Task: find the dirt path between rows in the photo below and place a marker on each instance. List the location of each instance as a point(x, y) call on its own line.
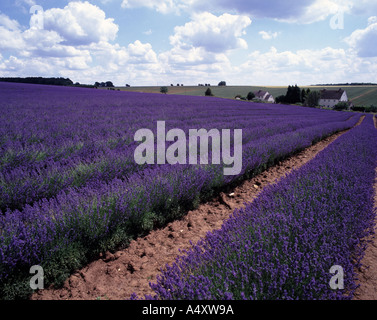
point(117, 275)
point(368, 273)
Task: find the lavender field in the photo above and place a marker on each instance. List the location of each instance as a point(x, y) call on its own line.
point(283, 245)
point(70, 187)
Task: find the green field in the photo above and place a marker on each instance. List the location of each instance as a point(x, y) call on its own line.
point(359, 95)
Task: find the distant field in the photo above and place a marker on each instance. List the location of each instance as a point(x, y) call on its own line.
point(359, 95)
point(228, 92)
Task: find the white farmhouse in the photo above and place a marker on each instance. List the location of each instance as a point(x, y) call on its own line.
point(330, 98)
point(264, 96)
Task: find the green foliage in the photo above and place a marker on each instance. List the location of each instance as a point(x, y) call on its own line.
point(59, 267)
point(371, 109)
point(16, 287)
point(304, 94)
point(293, 96)
point(280, 99)
point(148, 221)
point(312, 99)
point(358, 108)
point(164, 90)
point(341, 106)
point(250, 96)
point(40, 80)
point(208, 93)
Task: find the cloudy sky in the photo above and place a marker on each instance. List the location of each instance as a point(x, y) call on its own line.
point(158, 42)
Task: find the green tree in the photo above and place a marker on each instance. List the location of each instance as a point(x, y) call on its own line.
point(164, 90)
point(293, 95)
point(250, 96)
point(312, 99)
point(341, 106)
point(280, 99)
point(209, 93)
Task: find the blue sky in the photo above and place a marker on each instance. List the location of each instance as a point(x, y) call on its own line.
point(140, 42)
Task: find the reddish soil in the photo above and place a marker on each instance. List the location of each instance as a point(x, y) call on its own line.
point(117, 275)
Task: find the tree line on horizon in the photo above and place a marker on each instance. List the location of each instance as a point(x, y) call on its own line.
point(39, 80)
point(346, 84)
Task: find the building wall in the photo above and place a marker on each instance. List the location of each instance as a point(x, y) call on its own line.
point(329, 103)
point(344, 97)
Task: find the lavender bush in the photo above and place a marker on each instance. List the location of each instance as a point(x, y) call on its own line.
point(282, 245)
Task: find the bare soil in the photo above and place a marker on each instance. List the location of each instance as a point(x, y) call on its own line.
point(115, 276)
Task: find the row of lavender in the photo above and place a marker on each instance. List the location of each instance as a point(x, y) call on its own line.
point(61, 230)
point(52, 139)
point(284, 244)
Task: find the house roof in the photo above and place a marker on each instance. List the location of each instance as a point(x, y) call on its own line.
point(332, 94)
point(260, 94)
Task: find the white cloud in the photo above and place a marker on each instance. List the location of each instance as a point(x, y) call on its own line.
point(10, 39)
point(364, 41)
point(307, 67)
point(65, 30)
point(84, 52)
point(76, 42)
point(194, 66)
point(268, 35)
point(79, 41)
point(41, 39)
point(141, 53)
point(214, 34)
point(192, 57)
point(319, 10)
point(372, 20)
point(80, 23)
point(8, 23)
point(11, 36)
point(200, 48)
